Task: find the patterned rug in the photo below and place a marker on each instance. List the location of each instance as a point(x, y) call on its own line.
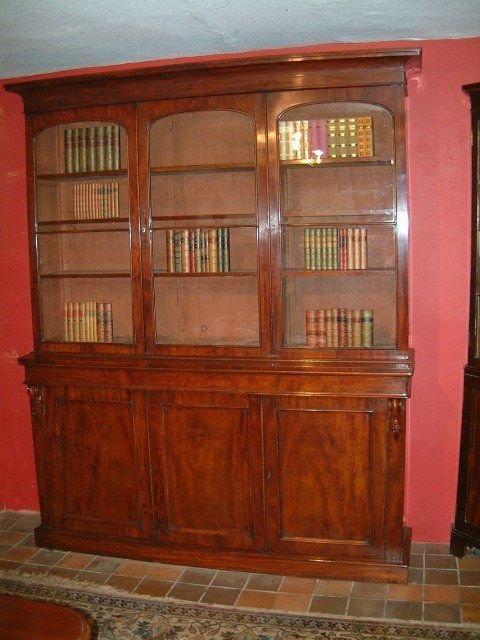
point(119, 616)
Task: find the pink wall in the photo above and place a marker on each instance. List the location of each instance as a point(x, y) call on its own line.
point(439, 144)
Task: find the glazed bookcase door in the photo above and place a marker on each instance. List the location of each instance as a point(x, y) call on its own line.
point(206, 266)
point(85, 240)
point(475, 310)
point(337, 205)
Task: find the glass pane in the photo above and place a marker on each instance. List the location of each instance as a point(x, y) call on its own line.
point(204, 228)
point(83, 233)
point(337, 214)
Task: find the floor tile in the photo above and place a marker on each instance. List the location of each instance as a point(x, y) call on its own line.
point(47, 556)
point(470, 578)
point(124, 583)
point(441, 593)
point(220, 595)
point(371, 590)
point(256, 599)
point(435, 612)
point(132, 568)
point(19, 554)
point(440, 562)
point(75, 560)
point(63, 572)
point(292, 601)
point(232, 579)
point(471, 613)
point(405, 592)
point(333, 587)
point(329, 604)
point(168, 572)
point(264, 582)
point(441, 576)
point(292, 584)
point(437, 548)
point(186, 591)
point(404, 610)
point(197, 576)
point(155, 588)
point(470, 595)
point(366, 607)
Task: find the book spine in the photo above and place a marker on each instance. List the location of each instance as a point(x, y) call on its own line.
point(306, 248)
point(363, 249)
point(100, 318)
point(342, 328)
point(107, 308)
point(100, 148)
point(108, 148)
point(318, 247)
point(177, 251)
point(357, 327)
point(282, 140)
point(322, 136)
point(75, 154)
point(226, 249)
point(356, 249)
point(184, 251)
point(220, 251)
point(68, 135)
point(197, 244)
point(305, 145)
point(191, 245)
point(91, 164)
point(349, 327)
point(82, 149)
point(321, 330)
point(350, 249)
point(297, 140)
point(367, 327)
point(65, 322)
point(212, 251)
point(170, 250)
point(115, 146)
point(310, 328)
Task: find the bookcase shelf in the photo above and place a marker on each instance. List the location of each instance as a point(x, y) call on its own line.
point(181, 333)
point(203, 168)
point(82, 175)
point(88, 274)
point(332, 162)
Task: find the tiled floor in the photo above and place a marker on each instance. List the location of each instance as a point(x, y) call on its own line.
point(441, 588)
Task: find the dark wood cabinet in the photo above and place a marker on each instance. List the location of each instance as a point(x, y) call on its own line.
point(219, 289)
point(466, 529)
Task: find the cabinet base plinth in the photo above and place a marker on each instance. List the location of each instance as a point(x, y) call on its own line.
point(367, 569)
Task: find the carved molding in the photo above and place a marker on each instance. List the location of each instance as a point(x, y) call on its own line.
point(37, 404)
point(396, 417)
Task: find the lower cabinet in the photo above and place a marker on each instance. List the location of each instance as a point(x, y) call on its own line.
point(207, 472)
point(466, 529)
point(94, 469)
point(306, 485)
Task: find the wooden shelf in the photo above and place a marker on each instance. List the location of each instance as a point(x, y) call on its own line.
point(335, 273)
point(203, 168)
point(51, 223)
point(110, 173)
point(87, 274)
point(205, 274)
point(328, 162)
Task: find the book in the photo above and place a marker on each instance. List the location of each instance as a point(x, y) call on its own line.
point(339, 327)
point(197, 250)
point(87, 321)
point(95, 148)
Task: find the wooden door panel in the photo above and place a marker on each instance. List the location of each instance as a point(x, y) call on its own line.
point(207, 470)
point(326, 463)
point(324, 455)
point(472, 493)
point(99, 456)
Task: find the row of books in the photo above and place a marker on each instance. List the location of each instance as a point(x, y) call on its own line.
point(326, 138)
point(87, 322)
point(94, 200)
point(92, 148)
point(335, 248)
point(198, 250)
point(339, 327)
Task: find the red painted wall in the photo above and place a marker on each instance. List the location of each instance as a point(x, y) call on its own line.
point(439, 184)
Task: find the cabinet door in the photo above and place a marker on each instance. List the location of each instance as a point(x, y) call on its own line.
point(207, 267)
point(97, 462)
point(207, 469)
point(327, 464)
point(467, 520)
point(338, 200)
point(87, 293)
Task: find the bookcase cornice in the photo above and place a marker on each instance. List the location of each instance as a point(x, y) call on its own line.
point(231, 76)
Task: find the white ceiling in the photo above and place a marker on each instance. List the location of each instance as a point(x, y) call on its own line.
point(39, 36)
